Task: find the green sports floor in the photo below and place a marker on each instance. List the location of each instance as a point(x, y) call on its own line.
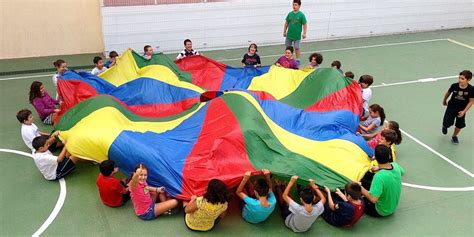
point(412, 72)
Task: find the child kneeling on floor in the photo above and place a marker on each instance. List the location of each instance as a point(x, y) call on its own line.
point(144, 197)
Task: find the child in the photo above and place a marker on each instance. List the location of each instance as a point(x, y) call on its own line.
point(391, 134)
point(188, 50)
point(385, 189)
point(315, 60)
point(111, 62)
point(251, 58)
point(61, 67)
point(52, 167)
point(99, 66)
point(373, 122)
point(347, 212)
point(350, 75)
point(45, 105)
point(295, 20)
point(113, 192)
point(461, 101)
point(258, 209)
point(365, 81)
point(147, 52)
point(300, 218)
point(30, 131)
point(287, 60)
point(202, 213)
point(144, 196)
point(337, 65)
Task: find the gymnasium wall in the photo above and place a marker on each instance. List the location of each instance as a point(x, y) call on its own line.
point(235, 23)
point(32, 28)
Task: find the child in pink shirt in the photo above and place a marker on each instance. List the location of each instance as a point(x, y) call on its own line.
point(43, 103)
point(144, 196)
point(287, 60)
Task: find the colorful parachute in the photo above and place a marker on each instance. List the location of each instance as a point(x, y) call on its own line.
point(199, 119)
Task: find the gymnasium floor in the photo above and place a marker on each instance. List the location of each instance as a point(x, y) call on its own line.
point(412, 72)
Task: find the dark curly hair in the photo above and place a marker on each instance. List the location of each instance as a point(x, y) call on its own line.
point(35, 90)
point(217, 192)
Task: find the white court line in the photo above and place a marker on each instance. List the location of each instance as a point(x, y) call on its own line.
point(59, 203)
point(348, 48)
point(23, 77)
point(459, 43)
point(439, 154)
point(443, 189)
point(430, 79)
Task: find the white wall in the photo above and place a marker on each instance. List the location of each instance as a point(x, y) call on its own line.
point(234, 24)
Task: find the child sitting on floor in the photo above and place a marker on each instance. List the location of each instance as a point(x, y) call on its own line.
point(30, 131)
point(257, 209)
point(43, 103)
point(347, 211)
point(287, 60)
point(113, 192)
point(300, 218)
point(144, 197)
point(374, 121)
point(52, 167)
point(202, 213)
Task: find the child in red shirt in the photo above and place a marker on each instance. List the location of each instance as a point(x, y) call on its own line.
point(113, 192)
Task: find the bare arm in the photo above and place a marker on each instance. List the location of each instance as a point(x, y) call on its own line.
point(468, 106)
point(341, 195)
point(62, 154)
point(245, 179)
point(305, 28)
point(134, 181)
point(285, 195)
point(446, 98)
point(191, 206)
point(330, 201)
point(369, 196)
point(318, 192)
point(368, 128)
point(266, 173)
point(285, 28)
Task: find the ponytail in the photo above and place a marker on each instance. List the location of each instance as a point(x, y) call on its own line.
point(378, 108)
point(395, 127)
point(58, 63)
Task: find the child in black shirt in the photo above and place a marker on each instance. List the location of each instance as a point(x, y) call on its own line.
point(462, 97)
point(251, 58)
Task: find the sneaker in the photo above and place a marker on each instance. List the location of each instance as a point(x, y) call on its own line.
point(455, 140)
point(444, 130)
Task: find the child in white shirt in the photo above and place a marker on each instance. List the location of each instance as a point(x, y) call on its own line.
point(29, 130)
point(99, 66)
point(365, 81)
point(52, 167)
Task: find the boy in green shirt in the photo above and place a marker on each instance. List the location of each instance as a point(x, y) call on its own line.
point(294, 21)
point(386, 187)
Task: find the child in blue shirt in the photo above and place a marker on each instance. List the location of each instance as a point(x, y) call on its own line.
point(258, 209)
